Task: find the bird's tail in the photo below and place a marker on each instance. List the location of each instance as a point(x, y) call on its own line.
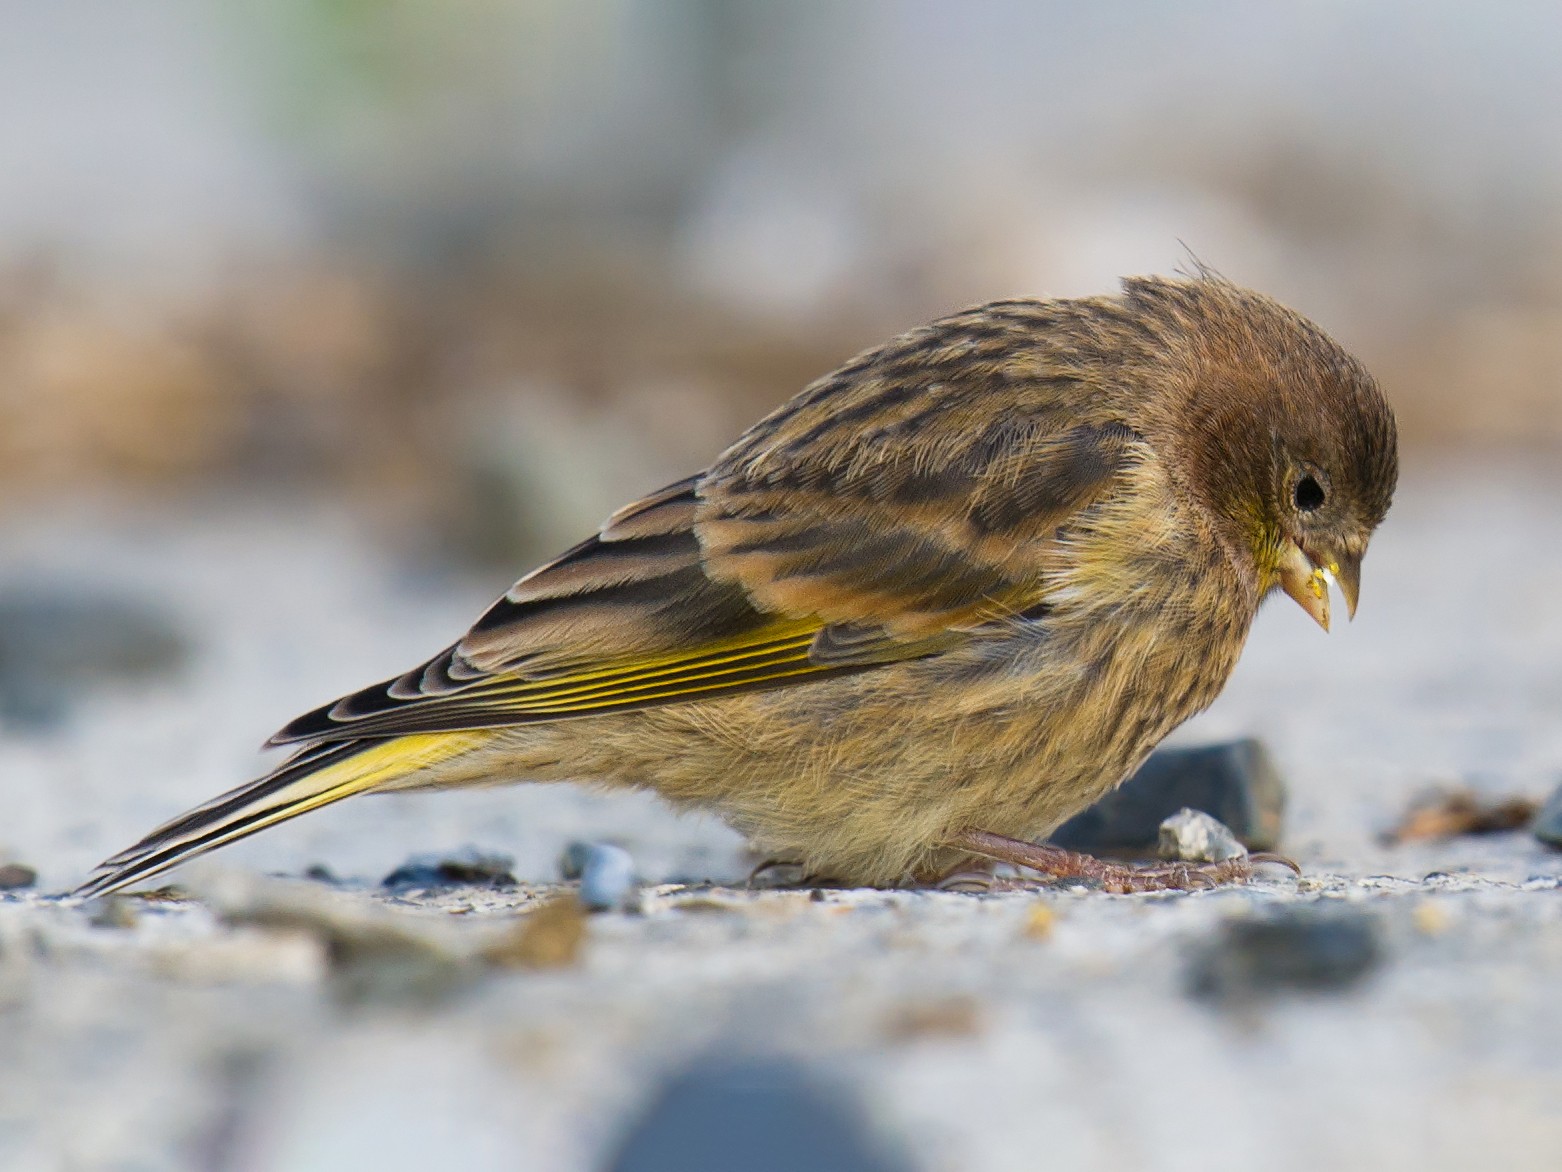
point(315, 777)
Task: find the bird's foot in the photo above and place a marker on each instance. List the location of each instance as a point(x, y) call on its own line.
point(782, 875)
point(976, 876)
point(1059, 865)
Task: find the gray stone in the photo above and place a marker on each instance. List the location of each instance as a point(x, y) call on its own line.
point(572, 862)
point(1296, 949)
point(1192, 836)
point(758, 1115)
point(16, 876)
point(1235, 782)
point(466, 867)
point(112, 911)
point(1548, 823)
point(606, 872)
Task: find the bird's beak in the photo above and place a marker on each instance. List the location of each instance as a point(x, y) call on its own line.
point(1306, 579)
point(1346, 571)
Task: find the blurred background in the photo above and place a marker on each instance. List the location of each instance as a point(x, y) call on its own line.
point(486, 268)
point(322, 320)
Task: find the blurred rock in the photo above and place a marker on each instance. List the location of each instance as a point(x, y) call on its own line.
point(1449, 813)
point(15, 876)
point(1548, 823)
point(549, 936)
point(373, 953)
point(759, 1116)
point(1192, 836)
point(467, 867)
point(56, 639)
point(1235, 783)
point(112, 911)
point(572, 860)
point(607, 876)
point(1297, 949)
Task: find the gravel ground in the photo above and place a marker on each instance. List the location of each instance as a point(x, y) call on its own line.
point(1394, 1008)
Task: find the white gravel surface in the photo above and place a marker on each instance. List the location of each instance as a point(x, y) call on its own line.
point(996, 1032)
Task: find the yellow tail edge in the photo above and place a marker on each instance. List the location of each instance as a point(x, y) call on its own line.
point(314, 779)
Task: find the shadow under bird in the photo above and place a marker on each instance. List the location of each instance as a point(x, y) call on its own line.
point(936, 604)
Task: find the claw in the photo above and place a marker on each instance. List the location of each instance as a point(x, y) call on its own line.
point(1266, 858)
point(773, 865)
point(1196, 878)
point(967, 881)
point(1067, 866)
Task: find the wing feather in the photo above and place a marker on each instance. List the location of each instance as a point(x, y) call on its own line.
point(885, 513)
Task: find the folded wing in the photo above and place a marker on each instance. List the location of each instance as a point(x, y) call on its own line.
point(884, 514)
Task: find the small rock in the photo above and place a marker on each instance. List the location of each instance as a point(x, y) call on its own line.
point(757, 1115)
point(1192, 836)
point(112, 911)
point(15, 877)
point(1297, 949)
point(1548, 823)
point(1236, 783)
point(467, 867)
point(167, 893)
point(572, 863)
point(607, 876)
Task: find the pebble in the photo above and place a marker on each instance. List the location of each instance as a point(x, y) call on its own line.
point(606, 873)
point(1235, 782)
point(113, 911)
point(467, 867)
point(16, 876)
point(1192, 836)
point(760, 1115)
point(1548, 823)
point(1298, 949)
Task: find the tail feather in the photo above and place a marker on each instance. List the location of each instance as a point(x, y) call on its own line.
point(315, 777)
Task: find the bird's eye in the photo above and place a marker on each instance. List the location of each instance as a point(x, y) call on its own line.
point(1308, 494)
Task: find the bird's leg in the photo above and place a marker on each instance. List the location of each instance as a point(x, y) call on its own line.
point(1057, 863)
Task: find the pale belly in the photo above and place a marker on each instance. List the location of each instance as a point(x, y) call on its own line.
point(864, 777)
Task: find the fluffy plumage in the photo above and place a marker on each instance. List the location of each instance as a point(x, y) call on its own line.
point(965, 582)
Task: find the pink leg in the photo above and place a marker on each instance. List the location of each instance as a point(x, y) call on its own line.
point(1120, 878)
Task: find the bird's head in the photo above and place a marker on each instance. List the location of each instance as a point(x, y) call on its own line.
point(1281, 434)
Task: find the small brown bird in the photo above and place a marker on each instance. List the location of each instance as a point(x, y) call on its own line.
point(944, 599)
